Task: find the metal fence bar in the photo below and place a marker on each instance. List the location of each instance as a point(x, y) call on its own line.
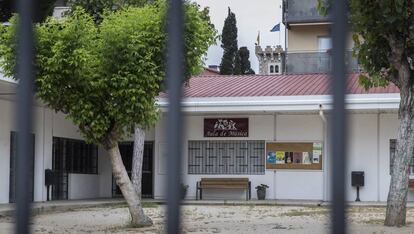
point(338, 123)
point(25, 73)
point(175, 75)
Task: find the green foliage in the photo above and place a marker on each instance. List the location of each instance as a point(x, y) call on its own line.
point(324, 6)
point(381, 30)
point(242, 63)
point(106, 77)
point(96, 8)
point(378, 29)
point(199, 35)
point(229, 44)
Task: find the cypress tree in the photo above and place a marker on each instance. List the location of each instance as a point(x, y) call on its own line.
point(242, 64)
point(229, 44)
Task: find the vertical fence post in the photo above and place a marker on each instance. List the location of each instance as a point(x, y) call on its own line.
point(25, 55)
point(338, 123)
point(175, 75)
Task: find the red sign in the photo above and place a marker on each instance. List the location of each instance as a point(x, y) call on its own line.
point(226, 127)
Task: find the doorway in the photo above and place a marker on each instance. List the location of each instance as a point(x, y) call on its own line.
point(30, 161)
point(127, 149)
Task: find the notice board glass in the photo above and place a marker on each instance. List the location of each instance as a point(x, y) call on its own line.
point(294, 155)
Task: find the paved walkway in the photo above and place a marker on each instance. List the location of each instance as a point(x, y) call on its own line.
point(40, 207)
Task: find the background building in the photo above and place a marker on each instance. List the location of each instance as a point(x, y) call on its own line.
point(284, 115)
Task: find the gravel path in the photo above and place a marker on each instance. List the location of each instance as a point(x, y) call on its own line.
point(213, 219)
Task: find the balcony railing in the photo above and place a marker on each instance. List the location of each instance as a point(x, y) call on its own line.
point(315, 62)
point(302, 11)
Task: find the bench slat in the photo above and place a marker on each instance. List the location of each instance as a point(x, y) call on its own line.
point(218, 186)
point(225, 183)
point(224, 179)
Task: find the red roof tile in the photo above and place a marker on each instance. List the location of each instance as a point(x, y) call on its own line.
point(271, 85)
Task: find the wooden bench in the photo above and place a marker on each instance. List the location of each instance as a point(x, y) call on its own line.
point(223, 183)
point(411, 184)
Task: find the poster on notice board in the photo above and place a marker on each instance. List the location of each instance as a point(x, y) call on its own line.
point(317, 152)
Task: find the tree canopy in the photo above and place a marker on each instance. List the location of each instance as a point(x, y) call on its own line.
point(229, 44)
point(96, 8)
point(242, 64)
point(106, 77)
point(383, 34)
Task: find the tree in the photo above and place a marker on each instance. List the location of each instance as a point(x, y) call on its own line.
point(106, 77)
point(242, 64)
point(44, 9)
point(383, 34)
point(96, 8)
point(229, 44)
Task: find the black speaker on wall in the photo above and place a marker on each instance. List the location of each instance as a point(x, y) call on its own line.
point(357, 178)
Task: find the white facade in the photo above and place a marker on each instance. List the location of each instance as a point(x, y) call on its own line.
point(372, 123)
point(368, 150)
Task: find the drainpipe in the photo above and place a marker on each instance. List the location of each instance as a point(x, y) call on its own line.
point(323, 118)
point(321, 114)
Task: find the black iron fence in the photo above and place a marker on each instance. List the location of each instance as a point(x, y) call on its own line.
point(175, 72)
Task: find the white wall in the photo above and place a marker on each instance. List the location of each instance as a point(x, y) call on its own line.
point(46, 125)
point(299, 184)
point(368, 151)
point(83, 186)
point(259, 130)
point(388, 130)
point(5, 128)
point(284, 184)
point(7, 124)
point(362, 155)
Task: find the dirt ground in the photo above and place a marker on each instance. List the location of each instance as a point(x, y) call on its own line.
point(212, 219)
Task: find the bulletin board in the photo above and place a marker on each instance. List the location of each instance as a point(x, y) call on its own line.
point(294, 155)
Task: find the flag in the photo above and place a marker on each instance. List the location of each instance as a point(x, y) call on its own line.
point(258, 38)
point(276, 28)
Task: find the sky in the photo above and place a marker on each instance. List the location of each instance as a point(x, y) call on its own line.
point(252, 16)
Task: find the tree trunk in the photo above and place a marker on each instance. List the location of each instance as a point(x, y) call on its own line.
point(137, 159)
point(397, 196)
point(138, 218)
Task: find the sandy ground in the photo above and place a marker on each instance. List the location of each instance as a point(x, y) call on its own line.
point(212, 219)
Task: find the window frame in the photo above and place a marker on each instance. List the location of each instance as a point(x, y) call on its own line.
point(226, 163)
point(82, 164)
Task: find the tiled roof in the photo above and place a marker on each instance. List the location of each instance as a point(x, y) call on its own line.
point(271, 85)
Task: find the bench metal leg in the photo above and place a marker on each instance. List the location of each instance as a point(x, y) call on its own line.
point(197, 190)
point(250, 190)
